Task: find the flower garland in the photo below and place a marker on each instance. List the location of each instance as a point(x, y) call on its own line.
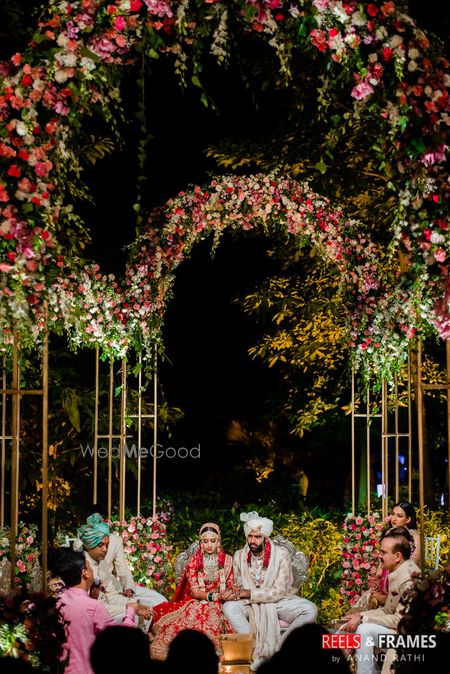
point(390, 67)
point(266, 555)
point(359, 558)
point(27, 555)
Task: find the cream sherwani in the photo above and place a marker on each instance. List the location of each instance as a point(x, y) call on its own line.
point(115, 563)
point(273, 597)
point(383, 620)
point(116, 578)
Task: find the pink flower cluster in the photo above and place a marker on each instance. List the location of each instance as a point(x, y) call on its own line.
point(146, 549)
point(386, 54)
point(27, 552)
point(359, 554)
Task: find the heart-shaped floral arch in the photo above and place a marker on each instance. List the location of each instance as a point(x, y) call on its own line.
point(387, 65)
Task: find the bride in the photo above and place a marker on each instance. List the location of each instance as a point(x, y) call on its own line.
point(197, 604)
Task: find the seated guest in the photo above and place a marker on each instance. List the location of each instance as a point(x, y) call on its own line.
point(402, 515)
point(265, 588)
point(111, 589)
point(395, 553)
point(115, 557)
point(85, 616)
point(205, 584)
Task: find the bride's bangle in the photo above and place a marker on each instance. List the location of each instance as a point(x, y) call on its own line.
point(209, 596)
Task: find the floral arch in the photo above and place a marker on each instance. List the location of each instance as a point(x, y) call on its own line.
point(385, 65)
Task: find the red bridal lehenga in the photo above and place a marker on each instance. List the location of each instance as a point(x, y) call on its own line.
point(185, 612)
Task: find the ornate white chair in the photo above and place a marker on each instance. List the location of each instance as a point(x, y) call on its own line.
point(432, 551)
point(183, 558)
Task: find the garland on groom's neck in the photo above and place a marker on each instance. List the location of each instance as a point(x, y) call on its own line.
point(266, 556)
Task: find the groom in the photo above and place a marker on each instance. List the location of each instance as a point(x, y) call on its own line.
point(265, 588)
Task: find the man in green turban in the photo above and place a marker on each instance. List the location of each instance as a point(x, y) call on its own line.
point(113, 582)
point(95, 534)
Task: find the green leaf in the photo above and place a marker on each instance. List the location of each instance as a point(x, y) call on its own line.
point(321, 166)
point(70, 404)
point(153, 53)
point(195, 81)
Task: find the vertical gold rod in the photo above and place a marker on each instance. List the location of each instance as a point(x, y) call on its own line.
point(384, 453)
point(123, 440)
point(110, 432)
point(420, 445)
point(410, 430)
point(397, 471)
point(139, 436)
point(14, 457)
point(44, 450)
point(97, 395)
point(155, 425)
point(3, 455)
point(447, 350)
point(353, 444)
point(368, 446)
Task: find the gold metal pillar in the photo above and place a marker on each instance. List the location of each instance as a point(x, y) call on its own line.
point(96, 403)
point(110, 437)
point(384, 450)
point(15, 392)
point(5, 437)
point(140, 417)
point(44, 521)
point(15, 451)
point(123, 442)
point(447, 351)
point(410, 428)
point(353, 443)
point(155, 425)
point(419, 394)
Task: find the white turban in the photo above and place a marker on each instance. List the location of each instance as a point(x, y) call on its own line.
point(252, 522)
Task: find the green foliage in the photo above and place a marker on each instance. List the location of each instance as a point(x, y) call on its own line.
point(304, 337)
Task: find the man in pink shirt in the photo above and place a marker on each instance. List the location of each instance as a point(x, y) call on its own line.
point(86, 617)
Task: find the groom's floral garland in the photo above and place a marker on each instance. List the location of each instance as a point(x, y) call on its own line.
point(66, 70)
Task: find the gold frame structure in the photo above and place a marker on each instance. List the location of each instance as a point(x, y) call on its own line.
point(421, 388)
point(386, 434)
point(122, 434)
point(387, 417)
point(16, 393)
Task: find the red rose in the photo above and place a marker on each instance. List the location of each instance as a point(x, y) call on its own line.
point(372, 10)
point(14, 171)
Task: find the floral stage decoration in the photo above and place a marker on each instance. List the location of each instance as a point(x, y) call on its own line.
point(31, 628)
point(372, 56)
point(359, 559)
point(27, 556)
point(147, 550)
